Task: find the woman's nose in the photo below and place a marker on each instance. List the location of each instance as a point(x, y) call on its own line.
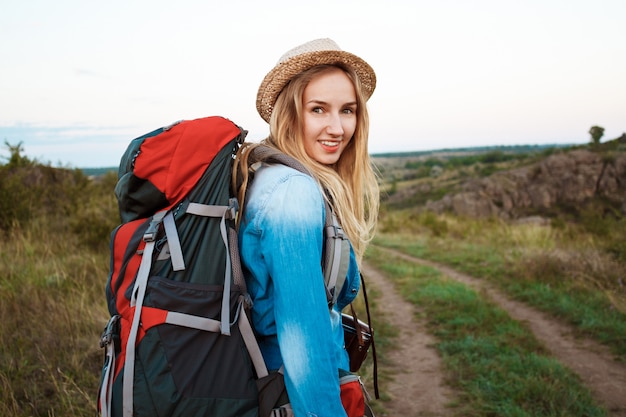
point(335, 127)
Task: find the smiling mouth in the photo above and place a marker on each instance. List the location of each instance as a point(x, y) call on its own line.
point(330, 143)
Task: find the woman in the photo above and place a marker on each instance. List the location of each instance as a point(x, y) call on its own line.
point(314, 100)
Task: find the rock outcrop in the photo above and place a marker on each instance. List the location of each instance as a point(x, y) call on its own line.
point(565, 178)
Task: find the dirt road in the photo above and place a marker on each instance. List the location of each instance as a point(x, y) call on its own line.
point(418, 389)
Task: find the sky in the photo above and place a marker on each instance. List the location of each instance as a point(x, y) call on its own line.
point(80, 79)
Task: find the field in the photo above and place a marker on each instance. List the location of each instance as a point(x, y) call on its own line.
point(473, 317)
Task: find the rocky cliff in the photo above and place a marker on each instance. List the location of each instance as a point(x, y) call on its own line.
point(566, 178)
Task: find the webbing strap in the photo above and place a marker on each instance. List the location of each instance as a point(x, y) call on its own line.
point(136, 299)
point(252, 345)
point(225, 318)
point(238, 278)
point(194, 322)
point(108, 342)
point(337, 258)
point(173, 242)
point(146, 262)
point(155, 316)
point(206, 210)
point(107, 381)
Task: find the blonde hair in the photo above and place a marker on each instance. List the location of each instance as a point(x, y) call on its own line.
point(350, 184)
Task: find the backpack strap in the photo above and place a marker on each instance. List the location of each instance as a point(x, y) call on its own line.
point(252, 345)
point(136, 300)
point(173, 243)
point(336, 244)
point(107, 341)
point(337, 256)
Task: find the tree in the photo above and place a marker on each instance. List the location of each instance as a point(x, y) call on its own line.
point(16, 159)
point(596, 133)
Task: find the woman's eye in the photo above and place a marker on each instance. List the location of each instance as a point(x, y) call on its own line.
point(317, 110)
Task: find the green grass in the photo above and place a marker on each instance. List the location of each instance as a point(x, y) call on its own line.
point(495, 363)
point(575, 282)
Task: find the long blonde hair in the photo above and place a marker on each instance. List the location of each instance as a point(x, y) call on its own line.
point(350, 184)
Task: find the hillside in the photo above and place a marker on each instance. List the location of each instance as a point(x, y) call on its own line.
point(507, 184)
point(567, 179)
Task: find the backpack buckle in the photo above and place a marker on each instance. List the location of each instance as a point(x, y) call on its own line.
point(109, 329)
point(233, 208)
point(336, 232)
point(151, 233)
point(334, 229)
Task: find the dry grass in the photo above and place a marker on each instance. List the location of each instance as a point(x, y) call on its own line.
point(52, 311)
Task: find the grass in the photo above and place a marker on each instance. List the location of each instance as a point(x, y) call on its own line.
point(52, 311)
point(54, 230)
point(494, 362)
point(570, 278)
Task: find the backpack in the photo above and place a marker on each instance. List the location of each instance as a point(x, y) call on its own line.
point(179, 340)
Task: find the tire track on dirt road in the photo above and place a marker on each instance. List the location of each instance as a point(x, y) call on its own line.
point(416, 388)
point(605, 377)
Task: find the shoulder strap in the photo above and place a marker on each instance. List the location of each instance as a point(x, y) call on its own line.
point(336, 244)
point(336, 256)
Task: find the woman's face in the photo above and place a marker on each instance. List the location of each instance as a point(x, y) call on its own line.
point(330, 108)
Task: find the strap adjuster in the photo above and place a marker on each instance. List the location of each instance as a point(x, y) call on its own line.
point(107, 334)
point(233, 208)
point(151, 232)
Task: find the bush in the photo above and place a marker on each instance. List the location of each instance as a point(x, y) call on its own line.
point(17, 201)
point(97, 214)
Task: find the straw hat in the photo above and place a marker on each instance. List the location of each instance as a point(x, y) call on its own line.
point(303, 57)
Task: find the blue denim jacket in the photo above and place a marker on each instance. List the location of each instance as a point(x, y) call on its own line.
point(280, 239)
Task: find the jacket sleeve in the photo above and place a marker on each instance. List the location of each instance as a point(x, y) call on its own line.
point(290, 227)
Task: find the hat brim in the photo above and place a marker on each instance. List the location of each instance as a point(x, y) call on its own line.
point(281, 74)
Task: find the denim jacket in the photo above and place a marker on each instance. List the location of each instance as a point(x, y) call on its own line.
point(280, 238)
